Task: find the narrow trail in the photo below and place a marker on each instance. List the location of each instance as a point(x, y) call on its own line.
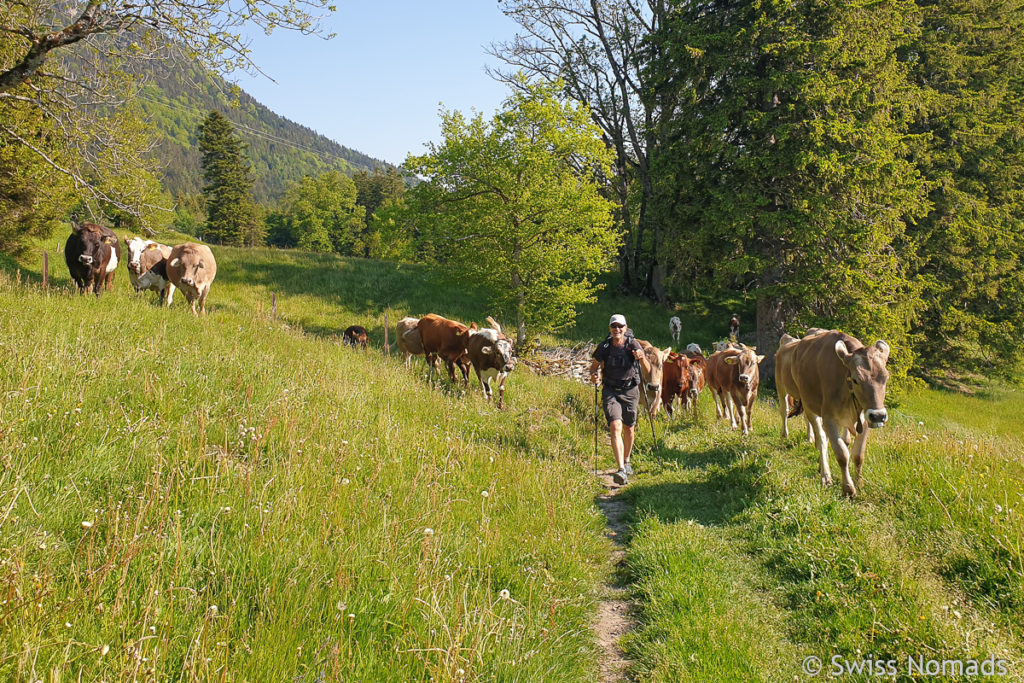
point(613, 614)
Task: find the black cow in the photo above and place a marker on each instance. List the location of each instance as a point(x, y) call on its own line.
point(92, 253)
point(355, 335)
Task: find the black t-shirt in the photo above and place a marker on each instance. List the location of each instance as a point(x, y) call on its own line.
point(619, 363)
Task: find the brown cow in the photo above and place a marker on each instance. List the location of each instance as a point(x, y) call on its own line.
point(192, 268)
point(733, 377)
point(839, 384)
point(698, 376)
point(92, 253)
point(355, 335)
point(650, 389)
point(409, 341)
point(490, 352)
point(445, 339)
point(675, 381)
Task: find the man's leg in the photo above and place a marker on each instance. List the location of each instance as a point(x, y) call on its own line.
point(628, 434)
point(615, 428)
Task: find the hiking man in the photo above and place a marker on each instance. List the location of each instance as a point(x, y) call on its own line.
point(617, 356)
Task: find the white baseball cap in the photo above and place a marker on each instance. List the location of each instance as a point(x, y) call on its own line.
point(617, 319)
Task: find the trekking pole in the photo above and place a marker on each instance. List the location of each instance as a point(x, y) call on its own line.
point(595, 429)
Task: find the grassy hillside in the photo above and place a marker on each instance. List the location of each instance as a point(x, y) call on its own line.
point(240, 497)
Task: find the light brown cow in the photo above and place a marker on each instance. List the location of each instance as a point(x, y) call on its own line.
point(409, 341)
point(447, 340)
point(192, 268)
point(651, 386)
point(733, 377)
point(839, 384)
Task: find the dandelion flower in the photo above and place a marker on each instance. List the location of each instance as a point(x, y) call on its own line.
point(504, 594)
point(428, 531)
point(213, 610)
point(86, 524)
point(484, 493)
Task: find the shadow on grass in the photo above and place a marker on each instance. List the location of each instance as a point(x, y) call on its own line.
point(717, 499)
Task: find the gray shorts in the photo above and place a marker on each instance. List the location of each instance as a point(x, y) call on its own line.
point(621, 405)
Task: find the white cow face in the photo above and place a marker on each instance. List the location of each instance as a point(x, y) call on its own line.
point(136, 246)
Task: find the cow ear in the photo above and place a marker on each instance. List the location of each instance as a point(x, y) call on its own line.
point(668, 350)
point(843, 352)
point(174, 262)
point(760, 358)
point(76, 227)
point(883, 348)
point(730, 360)
point(487, 350)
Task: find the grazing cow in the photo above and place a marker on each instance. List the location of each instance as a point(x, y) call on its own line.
point(694, 349)
point(192, 268)
point(445, 339)
point(839, 384)
point(355, 335)
point(409, 341)
point(651, 386)
point(92, 253)
point(733, 377)
point(490, 352)
point(147, 267)
point(734, 328)
point(675, 328)
point(726, 345)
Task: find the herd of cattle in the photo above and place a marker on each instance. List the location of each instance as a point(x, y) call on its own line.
point(833, 379)
point(93, 253)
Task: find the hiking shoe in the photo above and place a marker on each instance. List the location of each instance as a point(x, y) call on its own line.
point(620, 477)
point(628, 469)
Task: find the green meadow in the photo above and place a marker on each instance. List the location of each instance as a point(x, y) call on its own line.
point(240, 497)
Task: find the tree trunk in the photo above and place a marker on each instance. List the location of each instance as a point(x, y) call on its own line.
point(772, 316)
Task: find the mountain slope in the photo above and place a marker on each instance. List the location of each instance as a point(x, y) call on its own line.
point(176, 100)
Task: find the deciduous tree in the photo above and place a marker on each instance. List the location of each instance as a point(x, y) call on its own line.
point(514, 206)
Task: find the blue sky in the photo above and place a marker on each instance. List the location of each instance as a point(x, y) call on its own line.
point(377, 86)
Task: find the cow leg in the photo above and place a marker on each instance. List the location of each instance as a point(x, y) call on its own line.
point(501, 390)
point(784, 412)
point(810, 431)
point(821, 443)
point(860, 447)
point(202, 300)
point(668, 407)
point(835, 437)
point(170, 294)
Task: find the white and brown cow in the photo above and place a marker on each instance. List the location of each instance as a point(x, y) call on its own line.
point(147, 267)
point(490, 352)
point(733, 376)
point(839, 384)
point(92, 253)
point(409, 341)
point(192, 268)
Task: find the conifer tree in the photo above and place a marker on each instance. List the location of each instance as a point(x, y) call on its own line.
point(227, 178)
point(784, 161)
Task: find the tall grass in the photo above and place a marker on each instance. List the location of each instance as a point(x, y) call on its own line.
point(229, 497)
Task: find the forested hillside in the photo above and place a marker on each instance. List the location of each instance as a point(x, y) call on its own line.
point(282, 151)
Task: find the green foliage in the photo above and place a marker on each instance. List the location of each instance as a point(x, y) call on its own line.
point(320, 214)
point(227, 179)
point(786, 168)
point(969, 247)
point(513, 206)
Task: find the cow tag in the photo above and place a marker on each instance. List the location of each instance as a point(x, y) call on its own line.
point(731, 360)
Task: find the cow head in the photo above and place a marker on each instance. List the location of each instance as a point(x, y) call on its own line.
point(136, 247)
point(696, 372)
point(656, 358)
point(501, 352)
point(195, 271)
point(94, 242)
point(867, 377)
point(746, 361)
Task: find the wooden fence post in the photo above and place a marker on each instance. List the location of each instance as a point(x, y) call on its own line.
point(273, 304)
point(387, 347)
point(46, 271)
